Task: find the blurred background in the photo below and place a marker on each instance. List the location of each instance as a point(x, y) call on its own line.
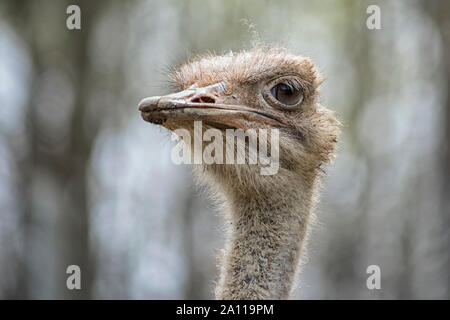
point(83, 180)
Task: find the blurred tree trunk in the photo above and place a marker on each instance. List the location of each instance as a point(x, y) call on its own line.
point(440, 12)
point(66, 168)
point(342, 263)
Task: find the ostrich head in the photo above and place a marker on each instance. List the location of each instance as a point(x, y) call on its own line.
point(257, 89)
point(252, 90)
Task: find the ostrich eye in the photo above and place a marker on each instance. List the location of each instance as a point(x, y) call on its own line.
point(287, 94)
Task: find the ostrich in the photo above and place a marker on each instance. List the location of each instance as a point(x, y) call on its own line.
point(268, 217)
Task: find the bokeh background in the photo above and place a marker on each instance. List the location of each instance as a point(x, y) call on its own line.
point(83, 180)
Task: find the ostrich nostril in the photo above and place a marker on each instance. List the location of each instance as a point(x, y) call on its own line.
point(204, 99)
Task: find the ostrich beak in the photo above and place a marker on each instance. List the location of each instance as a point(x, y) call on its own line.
point(199, 104)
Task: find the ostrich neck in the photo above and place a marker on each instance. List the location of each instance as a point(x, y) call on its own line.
point(266, 234)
